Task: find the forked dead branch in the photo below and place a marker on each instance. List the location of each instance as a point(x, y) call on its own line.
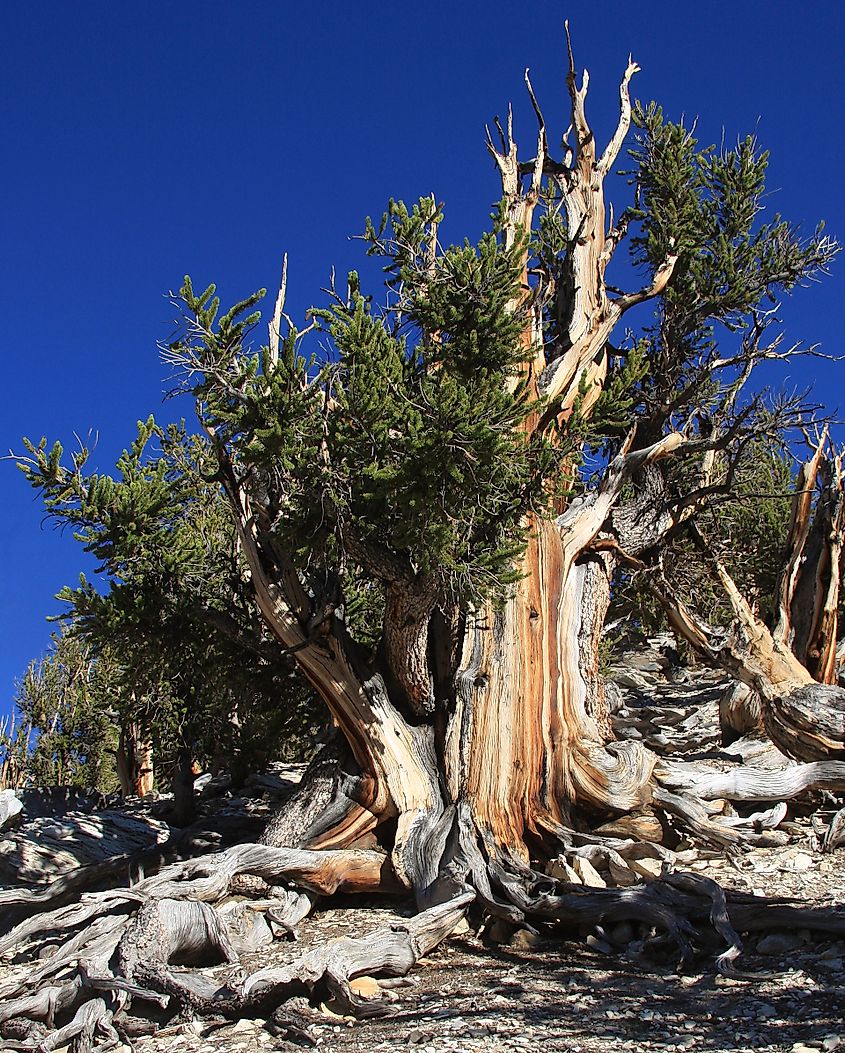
point(437, 466)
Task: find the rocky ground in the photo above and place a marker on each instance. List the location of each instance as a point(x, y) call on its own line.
point(488, 990)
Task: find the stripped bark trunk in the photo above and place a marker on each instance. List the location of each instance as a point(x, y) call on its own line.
point(807, 603)
point(134, 761)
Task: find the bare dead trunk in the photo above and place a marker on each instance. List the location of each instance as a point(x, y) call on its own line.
point(790, 670)
point(807, 604)
point(134, 761)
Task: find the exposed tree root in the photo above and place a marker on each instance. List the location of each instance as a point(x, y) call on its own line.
point(125, 869)
point(384, 952)
point(122, 949)
point(172, 930)
point(180, 916)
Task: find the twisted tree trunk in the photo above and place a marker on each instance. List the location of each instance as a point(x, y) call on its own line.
point(476, 733)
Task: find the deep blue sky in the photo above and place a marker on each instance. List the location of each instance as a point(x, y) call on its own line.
point(144, 141)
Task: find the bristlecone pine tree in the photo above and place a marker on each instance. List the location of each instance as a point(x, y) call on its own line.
point(474, 459)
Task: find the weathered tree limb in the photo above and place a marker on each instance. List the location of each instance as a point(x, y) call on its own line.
point(782, 782)
point(97, 981)
point(719, 916)
point(64, 919)
point(44, 1004)
point(92, 1018)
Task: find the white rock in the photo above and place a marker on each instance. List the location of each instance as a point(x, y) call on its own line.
point(560, 869)
point(588, 873)
point(246, 1024)
point(598, 944)
point(649, 868)
point(10, 806)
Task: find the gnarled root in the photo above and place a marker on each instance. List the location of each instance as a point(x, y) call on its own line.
point(171, 930)
point(185, 913)
point(385, 952)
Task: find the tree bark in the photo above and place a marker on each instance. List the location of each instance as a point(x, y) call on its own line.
point(134, 761)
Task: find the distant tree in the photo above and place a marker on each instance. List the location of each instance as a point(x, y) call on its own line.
point(748, 527)
point(66, 702)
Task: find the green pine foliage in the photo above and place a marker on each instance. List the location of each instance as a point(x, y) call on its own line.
point(195, 667)
point(402, 450)
point(707, 206)
point(65, 703)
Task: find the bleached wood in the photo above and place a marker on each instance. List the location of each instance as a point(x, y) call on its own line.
point(274, 327)
point(384, 952)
